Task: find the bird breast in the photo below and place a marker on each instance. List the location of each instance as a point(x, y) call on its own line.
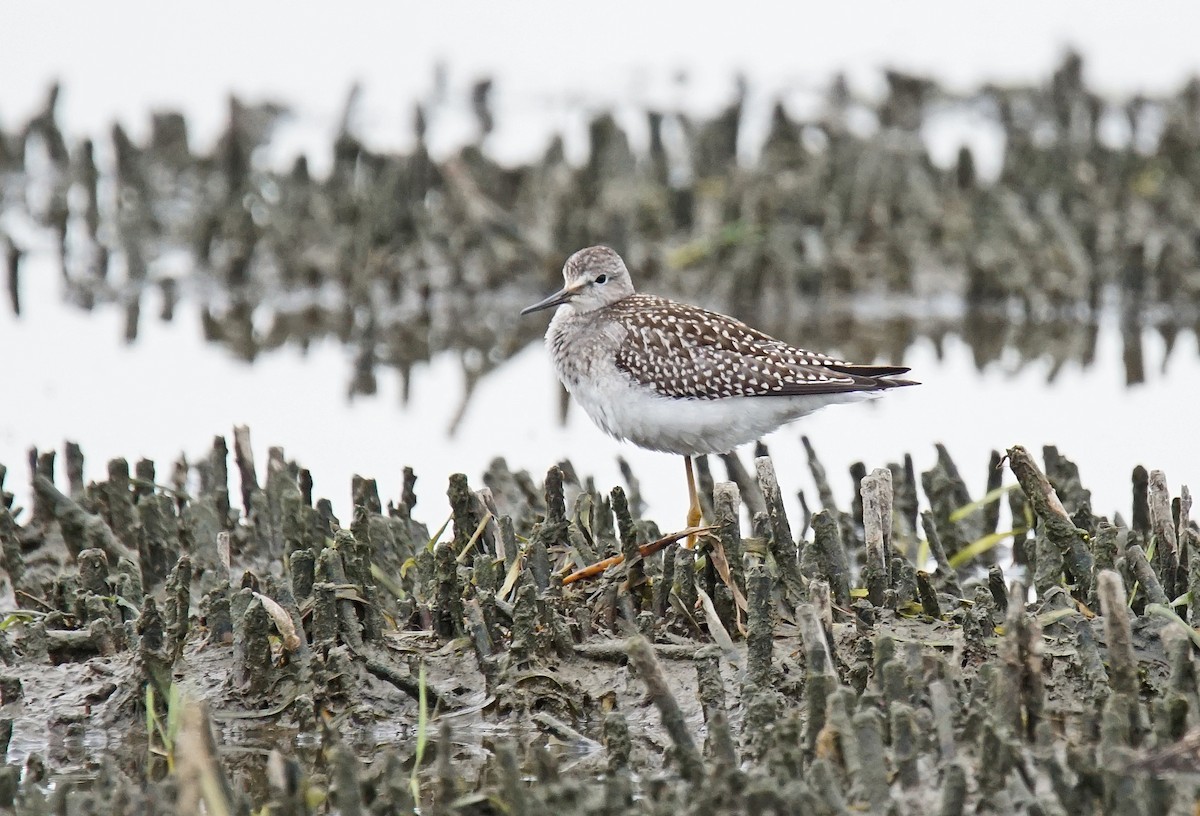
point(581, 346)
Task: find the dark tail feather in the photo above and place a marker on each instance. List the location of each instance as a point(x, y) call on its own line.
point(882, 375)
point(888, 382)
point(869, 371)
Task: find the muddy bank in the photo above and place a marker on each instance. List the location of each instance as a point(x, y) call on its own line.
point(178, 635)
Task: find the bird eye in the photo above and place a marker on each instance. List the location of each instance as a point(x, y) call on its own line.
point(601, 278)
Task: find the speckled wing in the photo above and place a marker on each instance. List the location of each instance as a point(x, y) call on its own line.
point(683, 351)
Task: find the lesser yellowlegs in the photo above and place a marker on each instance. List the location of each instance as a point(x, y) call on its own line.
point(677, 378)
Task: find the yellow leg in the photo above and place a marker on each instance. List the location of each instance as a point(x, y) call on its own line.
point(694, 514)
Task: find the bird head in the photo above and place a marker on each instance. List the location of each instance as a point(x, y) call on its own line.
point(593, 278)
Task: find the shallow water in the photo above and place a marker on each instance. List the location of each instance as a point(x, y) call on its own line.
point(70, 376)
point(168, 392)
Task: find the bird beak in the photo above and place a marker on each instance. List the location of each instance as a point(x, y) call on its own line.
point(561, 296)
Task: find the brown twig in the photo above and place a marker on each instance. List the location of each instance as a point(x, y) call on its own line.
point(646, 550)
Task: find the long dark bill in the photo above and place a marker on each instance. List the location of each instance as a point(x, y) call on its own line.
point(559, 297)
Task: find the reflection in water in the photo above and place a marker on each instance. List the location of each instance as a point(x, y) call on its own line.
point(992, 335)
point(400, 256)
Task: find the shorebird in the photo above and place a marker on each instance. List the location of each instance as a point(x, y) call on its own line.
point(676, 378)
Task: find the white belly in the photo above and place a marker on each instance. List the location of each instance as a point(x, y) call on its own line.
point(690, 427)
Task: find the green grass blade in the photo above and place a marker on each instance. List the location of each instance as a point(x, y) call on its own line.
point(991, 497)
point(1160, 611)
point(1055, 615)
point(414, 782)
point(388, 583)
point(979, 547)
point(437, 536)
point(483, 522)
